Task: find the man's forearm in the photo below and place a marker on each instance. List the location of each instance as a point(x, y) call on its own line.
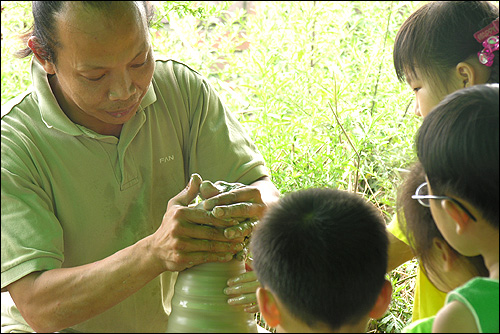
point(59, 298)
point(269, 192)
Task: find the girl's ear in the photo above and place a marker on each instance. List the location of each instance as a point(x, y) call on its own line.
point(268, 307)
point(41, 55)
point(446, 253)
point(471, 72)
point(465, 74)
point(382, 304)
point(456, 213)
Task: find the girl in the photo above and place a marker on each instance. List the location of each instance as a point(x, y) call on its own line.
point(446, 268)
point(457, 145)
point(436, 52)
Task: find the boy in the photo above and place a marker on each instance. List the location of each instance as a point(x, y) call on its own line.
point(321, 257)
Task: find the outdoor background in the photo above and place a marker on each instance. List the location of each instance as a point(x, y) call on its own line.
point(312, 82)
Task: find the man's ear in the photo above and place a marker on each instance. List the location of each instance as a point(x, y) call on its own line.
point(445, 252)
point(268, 307)
point(456, 213)
point(41, 55)
point(383, 301)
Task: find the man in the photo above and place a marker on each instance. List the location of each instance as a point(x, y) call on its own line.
point(90, 158)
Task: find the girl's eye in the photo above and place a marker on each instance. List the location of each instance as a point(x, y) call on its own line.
point(416, 89)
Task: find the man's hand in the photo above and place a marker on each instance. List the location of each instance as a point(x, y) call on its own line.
point(189, 236)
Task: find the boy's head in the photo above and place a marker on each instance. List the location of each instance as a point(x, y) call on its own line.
point(436, 52)
point(321, 258)
point(457, 145)
point(444, 266)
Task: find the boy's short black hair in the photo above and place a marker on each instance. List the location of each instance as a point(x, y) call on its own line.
point(322, 252)
point(458, 146)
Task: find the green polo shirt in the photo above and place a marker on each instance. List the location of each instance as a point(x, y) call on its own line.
point(71, 196)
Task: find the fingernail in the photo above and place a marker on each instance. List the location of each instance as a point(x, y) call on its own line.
point(229, 234)
point(218, 212)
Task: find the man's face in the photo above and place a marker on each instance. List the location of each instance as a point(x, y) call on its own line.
point(104, 65)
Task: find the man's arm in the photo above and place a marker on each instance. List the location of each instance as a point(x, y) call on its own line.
point(59, 298)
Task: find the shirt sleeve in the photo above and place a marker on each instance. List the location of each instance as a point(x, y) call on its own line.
point(32, 238)
point(220, 148)
point(395, 229)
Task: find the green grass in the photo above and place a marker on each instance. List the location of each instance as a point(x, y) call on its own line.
point(316, 90)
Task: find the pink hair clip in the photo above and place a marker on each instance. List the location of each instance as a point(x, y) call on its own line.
point(488, 37)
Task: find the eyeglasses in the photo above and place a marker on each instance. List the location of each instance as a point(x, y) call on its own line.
point(421, 195)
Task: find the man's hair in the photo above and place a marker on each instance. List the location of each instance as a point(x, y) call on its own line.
point(417, 224)
point(439, 35)
point(44, 18)
point(457, 145)
point(322, 252)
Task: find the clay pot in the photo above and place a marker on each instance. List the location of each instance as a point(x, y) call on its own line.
point(200, 305)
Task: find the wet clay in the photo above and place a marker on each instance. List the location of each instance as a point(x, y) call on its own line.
point(199, 304)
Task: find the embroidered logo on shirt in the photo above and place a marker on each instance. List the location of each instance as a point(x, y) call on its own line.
point(167, 159)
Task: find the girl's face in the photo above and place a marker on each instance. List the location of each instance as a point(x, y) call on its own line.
point(429, 91)
point(425, 97)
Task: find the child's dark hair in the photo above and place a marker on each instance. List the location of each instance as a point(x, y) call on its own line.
point(44, 17)
point(457, 145)
point(439, 35)
point(420, 230)
point(323, 252)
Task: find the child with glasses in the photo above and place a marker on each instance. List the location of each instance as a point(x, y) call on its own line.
point(444, 266)
point(458, 146)
point(320, 256)
point(443, 46)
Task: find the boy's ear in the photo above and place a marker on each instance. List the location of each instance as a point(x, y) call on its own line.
point(383, 301)
point(268, 307)
point(456, 213)
point(41, 55)
point(445, 252)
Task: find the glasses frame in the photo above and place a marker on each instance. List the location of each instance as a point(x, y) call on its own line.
point(419, 198)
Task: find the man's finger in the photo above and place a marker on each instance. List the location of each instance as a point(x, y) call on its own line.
point(188, 194)
point(244, 194)
point(240, 210)
point(200, 216)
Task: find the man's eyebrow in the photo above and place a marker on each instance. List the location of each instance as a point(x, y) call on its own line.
point(91, 68)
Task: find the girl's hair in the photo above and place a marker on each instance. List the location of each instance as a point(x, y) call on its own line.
point(438, 36)
point(457, 145)
point(44, 28)
point(323, 253)
point(420, 230)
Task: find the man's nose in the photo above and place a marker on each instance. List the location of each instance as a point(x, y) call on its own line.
point(122, 88)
